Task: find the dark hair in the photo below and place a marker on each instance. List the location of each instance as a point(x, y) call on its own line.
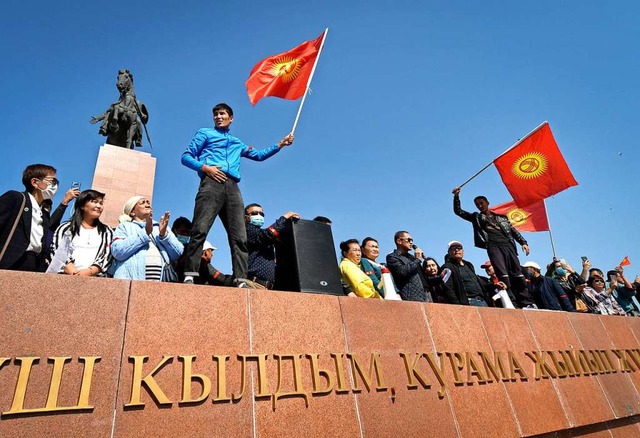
point(76, 216)
point(595, 269)
point(551, 269)
point(592, 278)
point(480, 197)
point(223, 106)
point(612, 272)
point(181, 221)
point(324, 220)
point(246, 209)
point(368, 239)
point(37, 171)
point(424, 264)
point(344, 246)
point(398, 234)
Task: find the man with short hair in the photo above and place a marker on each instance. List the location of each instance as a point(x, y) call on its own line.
point(494, 232)
point(207, 273)
point(22, 221)
point(260, 242)
point(215, 154)
point(182, 229)
point(463, 286)
point(546, 291)
point(406, 269)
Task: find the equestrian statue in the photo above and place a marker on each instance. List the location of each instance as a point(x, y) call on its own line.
point(124, 120)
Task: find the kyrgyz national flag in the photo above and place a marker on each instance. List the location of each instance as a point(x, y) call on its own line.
point(284, 75)
point(534, 169)
point(625, 262)
point(530, 218)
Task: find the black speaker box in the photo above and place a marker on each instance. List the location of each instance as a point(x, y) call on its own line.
point(306, 259)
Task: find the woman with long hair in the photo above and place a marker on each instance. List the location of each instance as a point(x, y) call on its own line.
point(142, 248)
point(82, 245)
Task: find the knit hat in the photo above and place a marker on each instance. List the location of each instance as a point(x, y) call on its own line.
point(128, 206)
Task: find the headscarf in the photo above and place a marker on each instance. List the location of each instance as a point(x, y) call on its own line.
point(128, 206)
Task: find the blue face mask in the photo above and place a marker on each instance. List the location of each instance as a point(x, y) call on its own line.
point(561, 271)
point(183, 239)
point(257, 220)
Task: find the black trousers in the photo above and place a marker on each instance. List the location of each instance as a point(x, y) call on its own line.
point(225, 200)
point(507, 267)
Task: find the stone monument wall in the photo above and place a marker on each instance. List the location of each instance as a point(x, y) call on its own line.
point(92, 357)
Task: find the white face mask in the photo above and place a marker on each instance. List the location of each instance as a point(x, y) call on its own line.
point(50, 191)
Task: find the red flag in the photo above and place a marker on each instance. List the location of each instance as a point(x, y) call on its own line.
point(284, 75)
point(625, 262)
point(534, 169)
point(530, 218)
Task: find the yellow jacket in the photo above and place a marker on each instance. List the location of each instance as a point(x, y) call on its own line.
point(359, 281)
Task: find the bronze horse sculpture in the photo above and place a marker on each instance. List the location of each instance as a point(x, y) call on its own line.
point(123, 121)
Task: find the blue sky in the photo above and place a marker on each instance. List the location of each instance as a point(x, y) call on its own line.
point(410, 98)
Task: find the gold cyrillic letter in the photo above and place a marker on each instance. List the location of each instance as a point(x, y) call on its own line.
point(374, 368)
point(188, 377)
point(317, 375)
point(148, 381)
point(297, 379)
point(413, 372)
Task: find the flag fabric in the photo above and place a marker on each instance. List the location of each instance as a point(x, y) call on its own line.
point(534, 169)
point(284, 75)
point(531, 218)
point(625, 262)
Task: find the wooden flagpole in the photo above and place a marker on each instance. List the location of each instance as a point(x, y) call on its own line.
point(306, 91)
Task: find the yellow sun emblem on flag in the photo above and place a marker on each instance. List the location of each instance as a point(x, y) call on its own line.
point(517, 217)
point(286, 68)
point(530, 165)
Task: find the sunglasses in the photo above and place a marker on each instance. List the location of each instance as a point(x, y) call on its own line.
point(256, 213)
point(598, 280)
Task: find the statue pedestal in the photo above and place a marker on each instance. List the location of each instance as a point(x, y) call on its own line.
point(122, 173)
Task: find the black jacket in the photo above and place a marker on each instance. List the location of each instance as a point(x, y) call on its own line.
point(479, 220)
point(407, 274)
point(10, 203)
point(262, 255)
point(454, 289)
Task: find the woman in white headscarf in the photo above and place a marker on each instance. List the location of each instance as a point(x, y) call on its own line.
point(142, 248)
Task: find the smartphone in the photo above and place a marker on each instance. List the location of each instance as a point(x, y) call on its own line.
point(584, 258)
point(75, 185)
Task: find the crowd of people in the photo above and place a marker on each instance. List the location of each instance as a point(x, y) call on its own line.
point(140, 248)
point(507, 283)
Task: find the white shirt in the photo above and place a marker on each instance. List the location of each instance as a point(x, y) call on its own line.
point(86, 246)
point(37, 232)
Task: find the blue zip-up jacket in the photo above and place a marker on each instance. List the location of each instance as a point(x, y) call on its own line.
point(130, 245)
point(216, 147)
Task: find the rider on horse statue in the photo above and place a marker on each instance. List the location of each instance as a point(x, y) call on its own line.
point(124, 120)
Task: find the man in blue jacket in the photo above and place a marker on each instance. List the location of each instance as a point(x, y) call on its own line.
point(215, 155)
point(546, 291)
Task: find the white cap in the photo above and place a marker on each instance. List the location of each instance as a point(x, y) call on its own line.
point(207, 245)
point(532, 265)
point(454, 242)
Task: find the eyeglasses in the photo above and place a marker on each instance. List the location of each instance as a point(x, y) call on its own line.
point(598, 280)
point(256, 213)
point(455, 248)
point(52, 181)
point(408, 239)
